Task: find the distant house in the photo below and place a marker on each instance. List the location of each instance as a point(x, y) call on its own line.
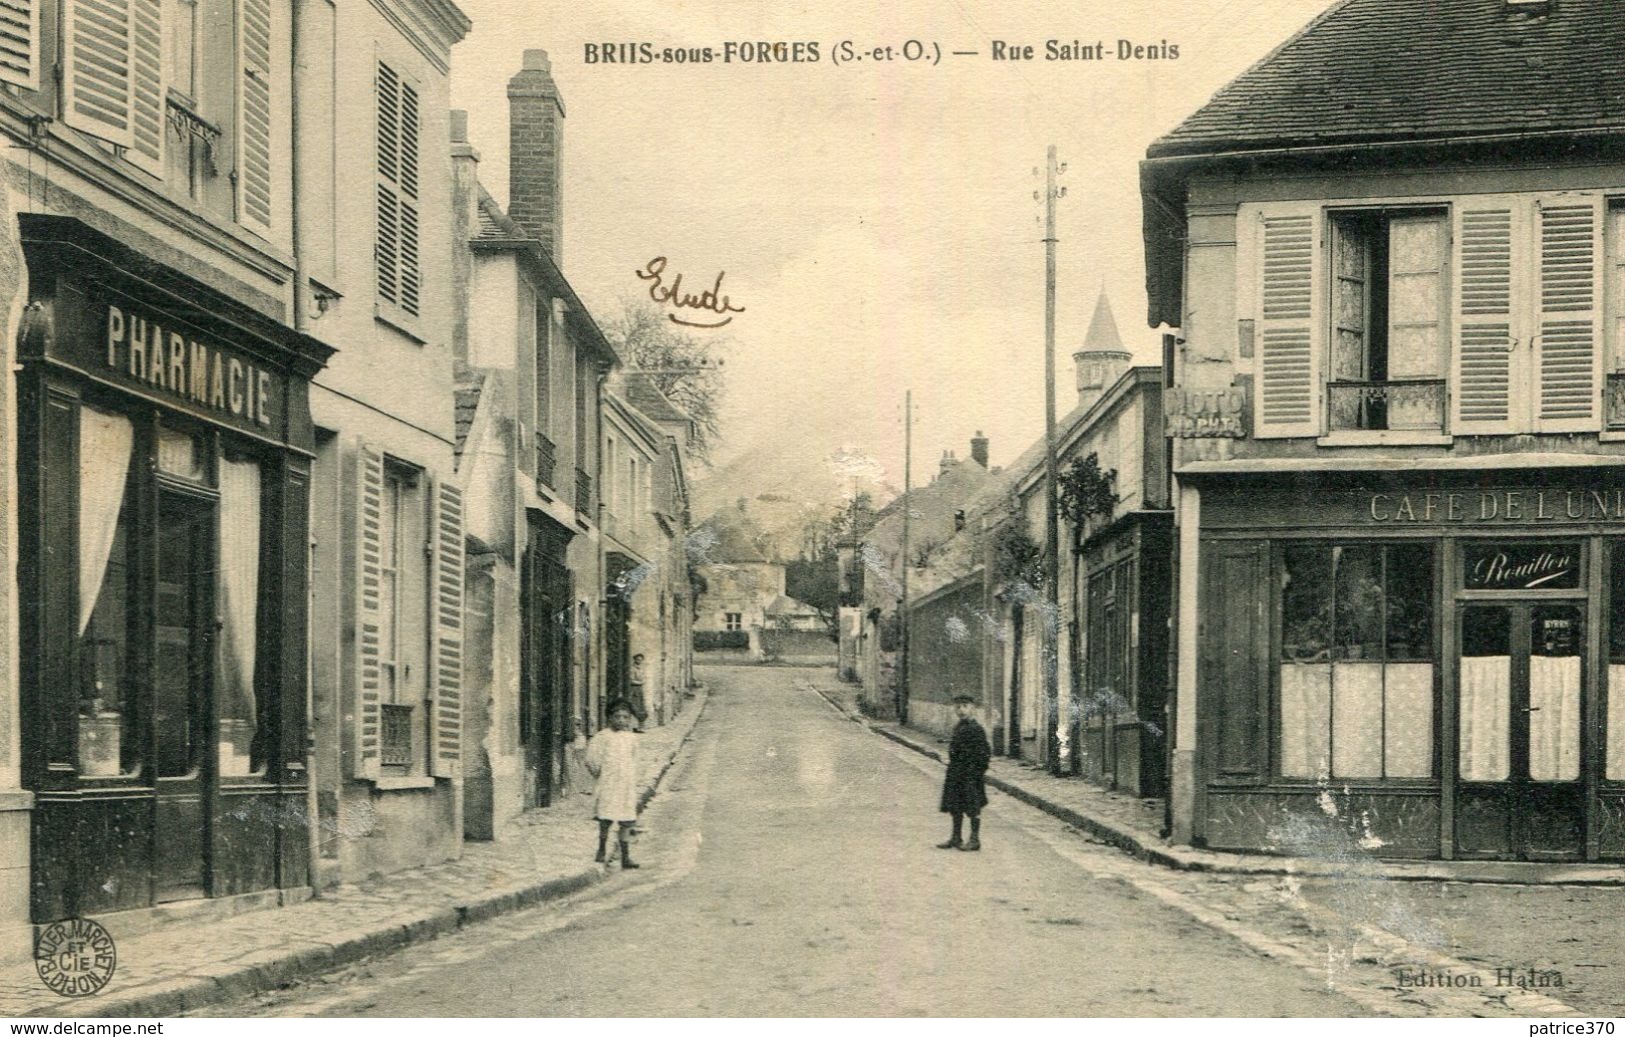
point(936, 512)
point(743, 612)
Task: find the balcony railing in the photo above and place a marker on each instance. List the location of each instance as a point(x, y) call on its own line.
point(1614, 401)
point(547, 461)
point(584, 493)
point(396, 741)
point(1373, 406)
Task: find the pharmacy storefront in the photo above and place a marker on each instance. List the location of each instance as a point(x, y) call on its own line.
point(1435, 661)
point(165, 443)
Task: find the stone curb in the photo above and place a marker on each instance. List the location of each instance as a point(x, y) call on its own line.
point(1135, 845)
point(276, 966)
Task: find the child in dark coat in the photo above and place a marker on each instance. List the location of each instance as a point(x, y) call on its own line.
point(963, 791)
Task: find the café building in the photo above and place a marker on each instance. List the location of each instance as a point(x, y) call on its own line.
point(165, 444)
point(1436, 660)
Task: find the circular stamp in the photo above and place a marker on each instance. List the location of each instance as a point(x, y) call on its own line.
point(75, 958)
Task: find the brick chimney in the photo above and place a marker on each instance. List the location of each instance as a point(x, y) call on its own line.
point(535, 153)
point(978, 448)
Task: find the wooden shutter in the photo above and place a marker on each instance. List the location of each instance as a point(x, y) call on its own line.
point(446, 630)
point(369, 488)
point(1289, 318)
point(97, 55)
point(400, 279)
point(1568, 357)
point(411, 270)
point(148, 87)
point(20, 43)
point(1488, 240)
point(254, 115)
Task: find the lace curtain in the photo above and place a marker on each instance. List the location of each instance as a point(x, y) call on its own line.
point(1486, 693)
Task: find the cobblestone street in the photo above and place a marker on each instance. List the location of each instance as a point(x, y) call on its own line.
point(789, 869)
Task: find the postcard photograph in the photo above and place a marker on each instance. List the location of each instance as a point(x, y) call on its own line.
point(733, 510)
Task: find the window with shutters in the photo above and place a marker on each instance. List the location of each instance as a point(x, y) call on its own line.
point(399, 270)
point(180, 94)
point(1388, 340)
point(402, 618)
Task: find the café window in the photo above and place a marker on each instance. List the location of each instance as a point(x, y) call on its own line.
point(1356, 662)
point(1388, 342)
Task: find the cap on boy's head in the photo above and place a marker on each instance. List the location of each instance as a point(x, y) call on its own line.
point(619, 706)
point(968, 700)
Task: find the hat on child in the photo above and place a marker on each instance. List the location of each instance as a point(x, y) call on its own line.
point(964, 698)
point(615, 704)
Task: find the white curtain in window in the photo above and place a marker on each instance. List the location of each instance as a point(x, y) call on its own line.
point(239, 589)
point(1306, 715)
point(1416, 347)
point(105, 443)
point(1357, 720)
point(1554, 718)
point(1486, 690)
point(1408, 720)
point(1615, 770)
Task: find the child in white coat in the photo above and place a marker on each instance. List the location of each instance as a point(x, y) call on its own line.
point(612, 757)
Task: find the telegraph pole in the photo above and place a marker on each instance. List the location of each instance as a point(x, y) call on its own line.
point(902, 626)
point(1050, 644)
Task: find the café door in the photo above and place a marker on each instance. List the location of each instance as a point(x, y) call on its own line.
point(1521, 682)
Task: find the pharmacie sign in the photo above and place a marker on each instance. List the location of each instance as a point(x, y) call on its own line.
point(134, 347)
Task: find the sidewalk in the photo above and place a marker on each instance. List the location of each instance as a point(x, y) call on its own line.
point(1135, 825)
point(547, 854)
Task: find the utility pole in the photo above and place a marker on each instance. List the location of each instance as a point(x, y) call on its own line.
point(1049, 645)
point(902, 615)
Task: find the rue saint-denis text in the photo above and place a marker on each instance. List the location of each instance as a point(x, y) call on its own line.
point(187, 368)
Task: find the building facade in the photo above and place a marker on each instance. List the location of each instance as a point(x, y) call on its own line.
point(531, 367)
point(169, 170)
point(1397, 455)
point(375, 237)
point(649, 606)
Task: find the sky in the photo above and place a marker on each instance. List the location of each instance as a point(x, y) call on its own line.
point(875, 219)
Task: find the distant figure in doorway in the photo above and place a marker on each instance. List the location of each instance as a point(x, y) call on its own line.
point(612, 757)
point(640, 705)
point(963, 792)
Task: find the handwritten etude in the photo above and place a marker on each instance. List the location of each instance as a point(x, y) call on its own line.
point(710, 301)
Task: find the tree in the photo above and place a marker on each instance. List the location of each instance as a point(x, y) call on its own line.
point(815, 578)
point(815, 581)
point(1087, 490)
point(686, 367)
